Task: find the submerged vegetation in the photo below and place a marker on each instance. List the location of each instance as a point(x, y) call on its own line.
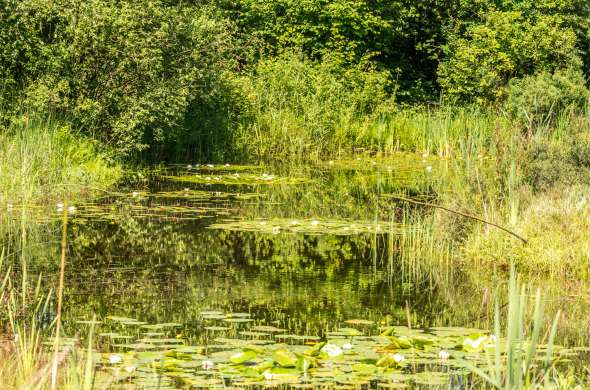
point(393, 158)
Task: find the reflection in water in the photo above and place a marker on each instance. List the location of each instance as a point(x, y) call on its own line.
point(158, 261)
point(317, 250)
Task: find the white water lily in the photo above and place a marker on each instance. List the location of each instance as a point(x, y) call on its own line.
point(331, 162)
point(294, 223)
point(210, 165)
point(474, 344)
point(398, 358)
point(444, 355)
point(130, 369)
point(429, 169)
point(315, 223)
point(217, 178)
point(71, 209)
point(114, 359)
point(207, 365)
point(189, 166)
point(135, 194)
point(347, 346)
point(226, 165)
point(424, 155)
point(59, 205)
point(268, 375)
point(208, 178)
point(332, 350)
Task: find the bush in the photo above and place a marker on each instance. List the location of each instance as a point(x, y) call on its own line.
point(116, 69)
point(538, 100)
point(483, 59)
point(547, 165)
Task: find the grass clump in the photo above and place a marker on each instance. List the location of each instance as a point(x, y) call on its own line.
point(42, 159)
point(556, 225)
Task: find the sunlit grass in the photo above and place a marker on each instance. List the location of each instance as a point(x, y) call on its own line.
point(44, 160)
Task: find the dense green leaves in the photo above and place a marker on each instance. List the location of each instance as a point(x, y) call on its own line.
point(217, 78)
point(126, 71)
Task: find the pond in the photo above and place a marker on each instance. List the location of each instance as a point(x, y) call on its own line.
point(224, 275)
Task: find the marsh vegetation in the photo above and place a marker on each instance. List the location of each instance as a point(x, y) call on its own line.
point(294, 194)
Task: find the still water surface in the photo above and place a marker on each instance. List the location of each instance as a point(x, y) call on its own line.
point(210, 255)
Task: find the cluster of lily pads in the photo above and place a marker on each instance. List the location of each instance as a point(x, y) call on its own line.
point(236, 178)
point(309, 226)
point(239, 353)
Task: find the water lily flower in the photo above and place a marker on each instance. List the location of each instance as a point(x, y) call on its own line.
point(331, 162)
point(294, 222)
point(207, 365)
point(398, 358)
point(429, 169)
point(130, 369)
point(444, 355)
point(332, 350)
point(210, 165)
point(217, 178)
point(315, 223)
point(268, 375)
point(59, 205)
point(425, 154)
point(189, 166)
point(71, 209)
point(347, 346)
point(208, 178)
point(226, 165)
point(134, 194)
point(114, 359)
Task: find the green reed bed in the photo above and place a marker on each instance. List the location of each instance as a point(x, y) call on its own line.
point(43, 160)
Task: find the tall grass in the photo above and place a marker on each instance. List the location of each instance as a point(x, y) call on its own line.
point(525, 365)
point(42, 159)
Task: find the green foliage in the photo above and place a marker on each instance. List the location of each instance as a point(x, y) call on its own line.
point(486, 56)
point(547, 165)
point(537, 100)
point(303, 110)
point(126, 72)
point(42, 160)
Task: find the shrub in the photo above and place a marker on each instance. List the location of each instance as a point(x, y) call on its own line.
point(483, 59)
point(537, 100)
point(547, 165)
point(116, 69)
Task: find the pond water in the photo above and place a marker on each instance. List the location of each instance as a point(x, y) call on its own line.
point(221, 275)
